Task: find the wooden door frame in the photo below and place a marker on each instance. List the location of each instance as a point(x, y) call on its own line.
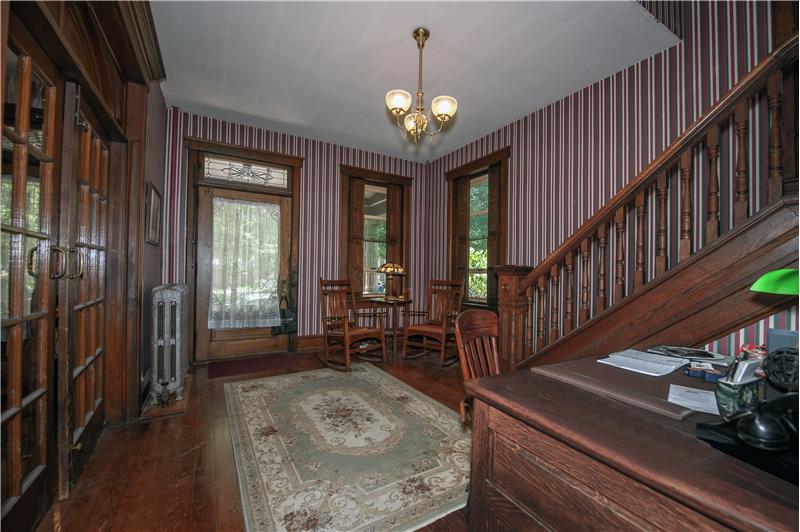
point(372, 177)
point(192, 147)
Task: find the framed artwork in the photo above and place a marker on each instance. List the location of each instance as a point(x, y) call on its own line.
point(152, 225)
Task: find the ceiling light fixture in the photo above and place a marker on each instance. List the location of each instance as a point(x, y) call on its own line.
point(416, 122)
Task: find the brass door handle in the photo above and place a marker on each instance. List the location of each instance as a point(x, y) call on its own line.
point(78, 447)
point(62, 264)
point(29, 262)
point(81, 263)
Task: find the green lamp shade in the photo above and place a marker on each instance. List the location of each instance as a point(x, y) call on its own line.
point(783, 282)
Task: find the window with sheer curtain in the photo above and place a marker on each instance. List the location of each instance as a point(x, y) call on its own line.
point(245, 264)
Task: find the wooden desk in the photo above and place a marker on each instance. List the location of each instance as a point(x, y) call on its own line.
point(546, 454)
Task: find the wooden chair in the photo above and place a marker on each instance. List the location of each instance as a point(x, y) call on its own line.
point(343, 324)
point(476, 338)
point(442, 305)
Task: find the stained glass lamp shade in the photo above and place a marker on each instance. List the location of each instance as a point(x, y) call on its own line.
point(392, 270)
point(783, 282)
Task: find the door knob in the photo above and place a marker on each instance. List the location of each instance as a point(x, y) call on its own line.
point(78, 447)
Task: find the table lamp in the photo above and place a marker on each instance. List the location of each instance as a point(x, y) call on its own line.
point(392, 270)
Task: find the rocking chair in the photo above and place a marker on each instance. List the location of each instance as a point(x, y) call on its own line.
point(442, 305)
point(343, 324)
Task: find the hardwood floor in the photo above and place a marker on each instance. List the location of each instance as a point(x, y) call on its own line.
point(179, 473)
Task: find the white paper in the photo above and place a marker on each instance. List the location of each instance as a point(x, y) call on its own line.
point(694, 399)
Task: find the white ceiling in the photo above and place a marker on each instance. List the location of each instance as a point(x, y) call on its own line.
point(321, 69)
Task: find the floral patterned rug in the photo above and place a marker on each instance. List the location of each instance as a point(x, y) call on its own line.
point(326, 450)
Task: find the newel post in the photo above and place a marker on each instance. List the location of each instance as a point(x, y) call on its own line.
point(513, 316)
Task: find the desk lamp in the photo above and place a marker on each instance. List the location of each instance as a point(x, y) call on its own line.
point(392, 270)
point(783, 282)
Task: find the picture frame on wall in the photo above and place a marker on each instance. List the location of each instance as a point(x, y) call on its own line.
point(152, 226)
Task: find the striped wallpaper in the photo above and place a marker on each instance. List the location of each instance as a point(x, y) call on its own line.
point(567, 159)
point(319, 201)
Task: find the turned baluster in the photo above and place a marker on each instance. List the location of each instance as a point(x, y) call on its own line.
point(569, 266)
point(638, 272)
point(619, 273)
point(600, 298)
point(661, 231)
point(740, 205)
point(712, 201)
point(554, 295)
point(584, 311)
point(775, 183)
point(541, 339)
point(685, 244)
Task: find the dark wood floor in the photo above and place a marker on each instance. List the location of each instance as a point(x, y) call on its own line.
point(179, 473)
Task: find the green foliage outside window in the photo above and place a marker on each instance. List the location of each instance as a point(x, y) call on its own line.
point(478, 255)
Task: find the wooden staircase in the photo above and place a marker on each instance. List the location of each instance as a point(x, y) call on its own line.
point(629, 278)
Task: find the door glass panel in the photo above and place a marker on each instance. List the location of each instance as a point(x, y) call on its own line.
point(5, 484)
point(246, 172)
point(5, 266)
point(33, 210)
point(37, 118)
point(30, 439)
point(9, 111)
point(31, 335)
point(5, 368)
point(245, 264)
point(6, 185)
point(32, 301)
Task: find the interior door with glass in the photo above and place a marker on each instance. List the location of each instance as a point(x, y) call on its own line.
point(32, 99)
point(86, 287)
point(243, 250)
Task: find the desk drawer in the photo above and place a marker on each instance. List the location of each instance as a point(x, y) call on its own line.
point(561, 488)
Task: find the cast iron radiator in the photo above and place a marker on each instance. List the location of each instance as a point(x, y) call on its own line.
point(169, 337)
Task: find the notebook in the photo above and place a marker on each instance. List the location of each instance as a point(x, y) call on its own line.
point(645, 363)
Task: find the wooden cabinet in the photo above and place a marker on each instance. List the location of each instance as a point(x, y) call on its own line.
point(547, 457)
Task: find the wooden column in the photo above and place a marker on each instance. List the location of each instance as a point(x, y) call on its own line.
point(685, 244)
point(775, 183)
point(513, 316)
point(742, 185)
point(600, 298)
point(541, 336)
point(569, 289)
point(554, 296)
point(619, 273)
point(638, 272)
point(583, 314)
point(712, 200)
point(661, 231)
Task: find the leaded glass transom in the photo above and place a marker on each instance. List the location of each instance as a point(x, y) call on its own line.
point(244, 172)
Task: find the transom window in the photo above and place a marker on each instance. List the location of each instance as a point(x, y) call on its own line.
point(246, 172)
point(375, 209)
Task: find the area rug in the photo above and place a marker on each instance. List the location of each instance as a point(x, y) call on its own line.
point(326, 450)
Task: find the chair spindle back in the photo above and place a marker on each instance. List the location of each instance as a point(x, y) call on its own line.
point(476, 338)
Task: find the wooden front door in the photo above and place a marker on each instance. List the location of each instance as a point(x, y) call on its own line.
point(243, 250)
point(85, 218)
point(32, 102)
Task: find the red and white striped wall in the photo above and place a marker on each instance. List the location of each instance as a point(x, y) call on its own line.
point(319, 201)
point(567, 159)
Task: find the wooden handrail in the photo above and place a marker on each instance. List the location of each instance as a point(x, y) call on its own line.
point(750, 84)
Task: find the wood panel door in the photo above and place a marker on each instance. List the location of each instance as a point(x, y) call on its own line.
point(243, 253)
point(84, 228)
point(32, 101)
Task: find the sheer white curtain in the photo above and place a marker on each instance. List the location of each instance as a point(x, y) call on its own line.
point(245, 264)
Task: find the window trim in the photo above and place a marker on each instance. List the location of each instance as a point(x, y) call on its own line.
point(373, 177)
point(470, 170)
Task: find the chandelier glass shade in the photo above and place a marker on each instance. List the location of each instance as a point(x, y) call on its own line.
point(414, 122)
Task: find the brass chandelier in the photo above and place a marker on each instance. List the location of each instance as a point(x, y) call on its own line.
point(414, 123)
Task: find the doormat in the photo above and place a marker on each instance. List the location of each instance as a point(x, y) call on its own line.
point(229, 368)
